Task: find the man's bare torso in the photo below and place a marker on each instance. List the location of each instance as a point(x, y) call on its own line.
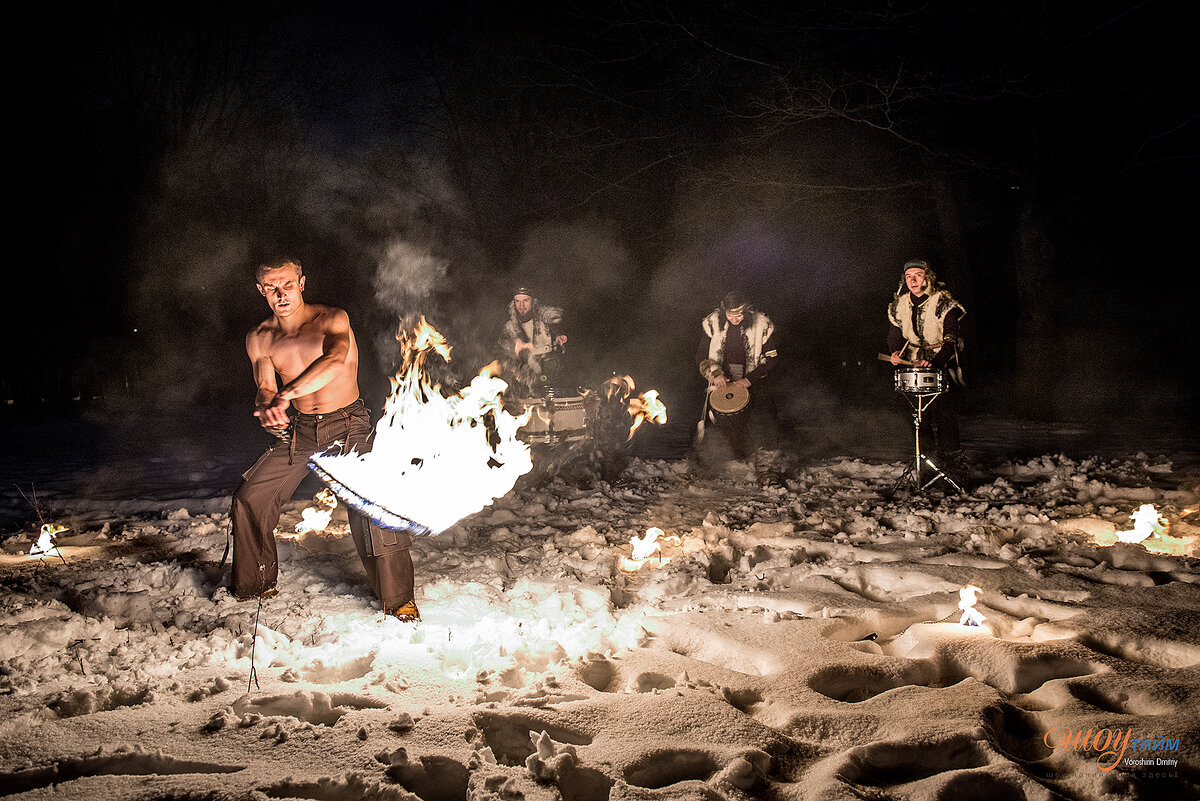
point(291, 353)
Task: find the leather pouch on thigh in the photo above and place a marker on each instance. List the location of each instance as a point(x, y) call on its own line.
point(386, 541)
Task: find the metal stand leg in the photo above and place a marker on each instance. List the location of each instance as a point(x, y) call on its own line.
point(912, 473)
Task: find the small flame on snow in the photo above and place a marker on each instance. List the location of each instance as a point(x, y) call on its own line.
point(1146, 521)
point(316, 518)
point(967, 597)
point(435, 458)
point(45, 543)
point(646, 546)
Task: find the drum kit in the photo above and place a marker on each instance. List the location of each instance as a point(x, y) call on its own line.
point(921, 387)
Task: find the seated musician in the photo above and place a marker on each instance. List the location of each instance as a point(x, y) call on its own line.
point(738, 347)
point(925, 332)
point(531, 336)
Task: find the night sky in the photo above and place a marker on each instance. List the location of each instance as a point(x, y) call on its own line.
point(632, 161)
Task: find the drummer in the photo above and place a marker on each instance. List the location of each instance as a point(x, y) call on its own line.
point(530, 334)
point(738, 347)
point(925, 332)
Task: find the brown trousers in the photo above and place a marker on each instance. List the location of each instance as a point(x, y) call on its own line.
point(272, 480)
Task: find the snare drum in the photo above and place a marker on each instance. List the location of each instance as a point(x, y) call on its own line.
point(919, 380)
point(554, 419)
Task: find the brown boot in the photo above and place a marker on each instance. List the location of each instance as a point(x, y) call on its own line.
point(408, 613)
point(269, 592)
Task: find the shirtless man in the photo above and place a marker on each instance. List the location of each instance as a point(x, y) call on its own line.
point(312, 349)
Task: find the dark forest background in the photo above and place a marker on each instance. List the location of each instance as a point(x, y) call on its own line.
point(630, 160)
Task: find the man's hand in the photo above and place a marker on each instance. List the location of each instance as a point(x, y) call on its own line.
point(274, 413)
point(922, 363)
point(745, 382)
point(720, 381)
point(896, 359)
point(561, 339)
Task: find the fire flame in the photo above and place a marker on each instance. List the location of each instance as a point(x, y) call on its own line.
point(642, 407)
point(646, 407)
point(316, 518)
point(1146, 521)
point(967, 597)
point(435, 458)
point(45, 543)
point(646, 546)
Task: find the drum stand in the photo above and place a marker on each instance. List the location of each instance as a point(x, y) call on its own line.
point(920, 401)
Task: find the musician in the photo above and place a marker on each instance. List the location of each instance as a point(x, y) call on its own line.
point(925, 330)
point(530, 335)
point(738, 347)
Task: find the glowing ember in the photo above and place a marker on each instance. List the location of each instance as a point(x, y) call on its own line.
point(435, 458)
point(971, 616)
point(45, 543)
point(316, 518)
point(1146, 521)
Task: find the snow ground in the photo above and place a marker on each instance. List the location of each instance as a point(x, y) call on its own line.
point(797, 643)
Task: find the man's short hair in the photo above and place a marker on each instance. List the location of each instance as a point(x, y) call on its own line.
point(275, 264)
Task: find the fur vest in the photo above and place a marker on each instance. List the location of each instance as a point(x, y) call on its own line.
point(536, 331)
point(923, 326)
point(756, 330)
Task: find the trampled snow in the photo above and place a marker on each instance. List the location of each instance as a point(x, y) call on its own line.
point(797, 643)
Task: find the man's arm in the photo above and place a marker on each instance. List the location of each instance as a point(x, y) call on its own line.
point(268, 412)
point(335, 348)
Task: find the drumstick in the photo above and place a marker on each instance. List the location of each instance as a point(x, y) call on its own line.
point(883, 357)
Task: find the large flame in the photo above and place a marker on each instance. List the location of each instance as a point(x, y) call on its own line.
point(435, 458)
point(967, 597)
point(45, 544)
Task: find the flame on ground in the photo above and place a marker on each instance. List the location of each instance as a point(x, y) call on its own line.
point(45, 543)
point(435, 458)
point(316, 518)
point(1146, 521)
point(1152, 531)
point(967, 597)
point(647, 547)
